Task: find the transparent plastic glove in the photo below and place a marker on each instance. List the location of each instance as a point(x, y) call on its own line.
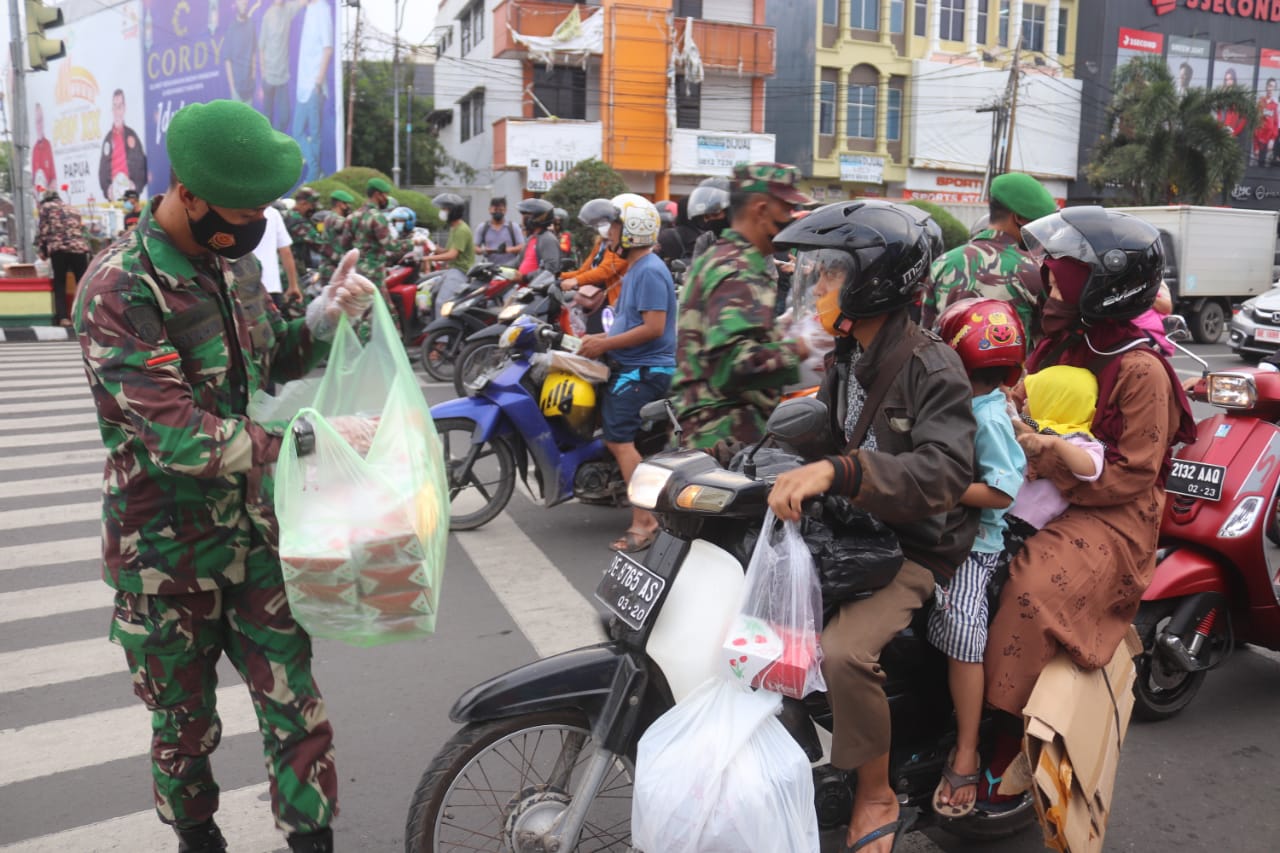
point(356, 431)
point(347, 292)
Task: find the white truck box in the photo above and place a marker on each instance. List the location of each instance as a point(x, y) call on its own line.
point(1214, 258)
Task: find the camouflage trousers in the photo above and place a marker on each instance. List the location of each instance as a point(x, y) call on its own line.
point(172, 644)
point(722, 432)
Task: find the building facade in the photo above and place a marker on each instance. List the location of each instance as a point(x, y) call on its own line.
point(892, 97)
point(526, 88)
point(1204, 43)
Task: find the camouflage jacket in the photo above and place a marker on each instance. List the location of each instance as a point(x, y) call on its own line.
point(731, 365)
point(992, 266)
point(61, 229)
point(368, 230)
point(187, 495)
point(306, 239)
point(330, 247)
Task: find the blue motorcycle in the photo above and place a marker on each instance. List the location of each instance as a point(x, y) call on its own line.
point(539, 405)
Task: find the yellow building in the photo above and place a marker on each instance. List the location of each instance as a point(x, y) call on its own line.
point(881, 97)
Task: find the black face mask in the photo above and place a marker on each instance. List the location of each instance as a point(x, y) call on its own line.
point(382, 203)
point(223, 238)
point(497, 216)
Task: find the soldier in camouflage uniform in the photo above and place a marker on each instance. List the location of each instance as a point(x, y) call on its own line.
point(176, 338)
point(993, 265)
point(368, 230)
point(340, 203)
point(61, 239)
point(731, 365)
point(306, 237)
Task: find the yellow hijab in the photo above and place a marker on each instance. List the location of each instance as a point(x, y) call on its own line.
point(1062, 399)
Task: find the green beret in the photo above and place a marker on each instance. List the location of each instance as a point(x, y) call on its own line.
point(342, 195)
point(377, 185)
point(228, 154)
point(1024, 195)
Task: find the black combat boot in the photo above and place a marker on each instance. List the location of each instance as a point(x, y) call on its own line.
point(320, 841)
point(205, 838)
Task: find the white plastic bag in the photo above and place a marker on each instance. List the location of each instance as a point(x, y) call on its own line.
point(773, 642)
point(718, 773)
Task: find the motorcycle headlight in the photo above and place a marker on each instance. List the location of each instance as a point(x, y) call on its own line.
point(647, 483)
point(446, 309)
point(704, 498)
point(509, 337)
point(1232, 390)
point(511, 312)
point(1242, 518)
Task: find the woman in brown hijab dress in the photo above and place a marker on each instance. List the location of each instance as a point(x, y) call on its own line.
point(1078, 582)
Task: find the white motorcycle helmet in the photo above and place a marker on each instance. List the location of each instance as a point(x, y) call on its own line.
point(640, 220)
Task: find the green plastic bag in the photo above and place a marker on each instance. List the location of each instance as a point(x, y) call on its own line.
point(362, 538)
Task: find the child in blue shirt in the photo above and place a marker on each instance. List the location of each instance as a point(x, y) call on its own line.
point(988, 336)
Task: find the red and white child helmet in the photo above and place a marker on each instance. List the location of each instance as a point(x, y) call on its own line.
point(985, 333)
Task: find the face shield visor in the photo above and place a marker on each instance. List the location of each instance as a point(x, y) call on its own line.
point(1053, 236)
point(821, 275)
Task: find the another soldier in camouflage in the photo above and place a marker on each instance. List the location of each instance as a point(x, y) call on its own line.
point(731, 366)
point(61, 239)
point(176, 338)
point(368, 230)
point(340, 206)
point(993, 265)
point(306, 237)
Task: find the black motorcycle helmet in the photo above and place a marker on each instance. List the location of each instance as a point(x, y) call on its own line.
point(881, 245)
point(937, 246)
point(1123, 253)
point(707, 200)
point(597, 211)
point(452, 203)
point(537, 212)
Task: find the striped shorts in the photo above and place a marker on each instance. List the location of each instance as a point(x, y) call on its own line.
point(958, 623)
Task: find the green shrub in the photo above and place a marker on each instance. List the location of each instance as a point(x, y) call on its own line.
point(357, 176)
point(953, 231)
point(587, 180)
point(353, 180)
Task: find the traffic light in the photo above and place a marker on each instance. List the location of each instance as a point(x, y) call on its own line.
point(40, 49)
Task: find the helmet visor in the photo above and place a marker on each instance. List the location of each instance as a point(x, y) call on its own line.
point(1054, 237)
point(818, 273)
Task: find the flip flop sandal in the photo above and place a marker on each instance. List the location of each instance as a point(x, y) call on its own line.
point(898, 829)
point(633, 541)
point(956, 781)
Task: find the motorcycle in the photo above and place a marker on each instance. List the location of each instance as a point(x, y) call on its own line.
point(460, 316)
point(545, 756)
point(1217, 578)
point(541, 299)
point(402, 286)
point(521, 412)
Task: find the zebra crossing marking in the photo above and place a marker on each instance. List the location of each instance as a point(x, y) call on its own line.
point(17, 519)
point(39, 554)
point(41, 601)
point(51, 485)
point(60, 663)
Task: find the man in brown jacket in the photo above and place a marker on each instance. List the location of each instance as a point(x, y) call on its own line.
point(60, 238)
point(908, 451)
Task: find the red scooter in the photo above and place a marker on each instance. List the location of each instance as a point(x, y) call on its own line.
point(1216, 583)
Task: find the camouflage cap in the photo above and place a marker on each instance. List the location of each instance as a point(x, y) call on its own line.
point(775, 179)
point(1024, 195)
point(305, 194)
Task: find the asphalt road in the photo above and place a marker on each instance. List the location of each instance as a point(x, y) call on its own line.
point(73, 772)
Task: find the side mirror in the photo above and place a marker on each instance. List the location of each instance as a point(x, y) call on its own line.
point(804, 425)
point(1175, 328)
point(653, 411)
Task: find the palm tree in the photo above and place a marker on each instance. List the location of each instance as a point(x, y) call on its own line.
point(1167, 148)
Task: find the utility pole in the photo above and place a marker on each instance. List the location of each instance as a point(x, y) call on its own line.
point(395, 110)
point(408, 135)
point(19, 154)
point(351, 82)
point(1015, 76)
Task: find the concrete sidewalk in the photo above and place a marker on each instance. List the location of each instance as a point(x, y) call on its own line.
point(31, 334)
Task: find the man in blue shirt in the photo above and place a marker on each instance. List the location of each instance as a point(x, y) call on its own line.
point(641, 345)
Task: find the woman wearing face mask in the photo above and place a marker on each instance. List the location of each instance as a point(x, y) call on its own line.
point(599, 280)
point(1077, 583)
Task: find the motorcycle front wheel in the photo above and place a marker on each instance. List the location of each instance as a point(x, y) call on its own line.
point(1160, 691)
point(482, 477)
point(440, 353)
point(494, 780)
point(475, 358)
